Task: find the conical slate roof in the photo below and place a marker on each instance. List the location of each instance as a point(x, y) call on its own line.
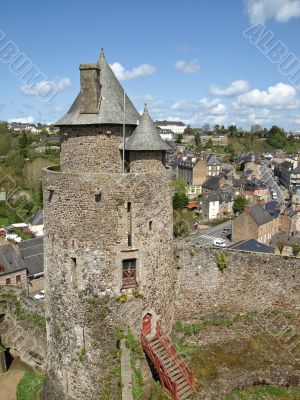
point(111, 104)
point(145, 136)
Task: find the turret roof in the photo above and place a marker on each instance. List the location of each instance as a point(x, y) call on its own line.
point(111, 110)
point(145, 136)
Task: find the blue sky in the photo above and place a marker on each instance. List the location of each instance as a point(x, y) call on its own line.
point(188, 60)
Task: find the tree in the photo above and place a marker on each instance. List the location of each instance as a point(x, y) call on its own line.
point(197, 138)
point(183, 222)
point(280, 244)
point(209, 143)
point(23, 141)
point(188, 130)
point(239, 203)
point(296, 248)
point(179, 137)
point(232, 129)
point(180, 198)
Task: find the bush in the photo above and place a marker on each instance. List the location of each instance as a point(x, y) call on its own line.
point(221, 260)
point(296, 249)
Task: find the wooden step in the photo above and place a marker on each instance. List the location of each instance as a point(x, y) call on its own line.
point(185, 390)
point(155, 345)
point(186, 395)
point(180, 379)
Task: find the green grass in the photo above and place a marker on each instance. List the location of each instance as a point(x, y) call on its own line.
point(3, 221)
point(29, 386)
point(264, 392)
point(23, 235)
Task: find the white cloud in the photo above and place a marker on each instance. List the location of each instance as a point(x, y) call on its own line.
point(179, 105)
point(279, 96)
point(282, 10)
point(188, 67)
point(24, 120)
point(235, 88)
point(125, 75)
point(42, 88)
point(214, 106)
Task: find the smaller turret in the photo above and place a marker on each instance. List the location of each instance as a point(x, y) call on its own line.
point(145, 149)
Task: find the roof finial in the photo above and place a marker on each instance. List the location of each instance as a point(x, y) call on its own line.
point(102, 56)
point(145, 108)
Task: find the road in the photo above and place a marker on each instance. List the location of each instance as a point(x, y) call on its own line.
point(268, 177)
point(205, 237)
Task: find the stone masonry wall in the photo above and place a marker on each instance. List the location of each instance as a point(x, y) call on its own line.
point(146, 161)
point(92, 148)
point(249, 282)
point(22, 329)
point(86, 240)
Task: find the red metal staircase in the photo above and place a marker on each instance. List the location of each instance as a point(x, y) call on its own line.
point(175, 376)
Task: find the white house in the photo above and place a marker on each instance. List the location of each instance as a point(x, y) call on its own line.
point(175, 126)
point(166, 134)
point(210, 206)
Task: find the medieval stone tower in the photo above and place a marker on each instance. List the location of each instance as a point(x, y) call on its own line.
point(108, 236)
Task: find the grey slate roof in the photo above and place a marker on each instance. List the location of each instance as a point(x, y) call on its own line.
point(111, 108)
point(37, 218)
point(260, 215)
point(32, 253)
point(212, 183)
point(211, 160)
point(145, 136)
point(165, 123)
point(253, 245)
point(10, 260)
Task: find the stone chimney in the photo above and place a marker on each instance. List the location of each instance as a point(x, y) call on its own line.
point(89, 88)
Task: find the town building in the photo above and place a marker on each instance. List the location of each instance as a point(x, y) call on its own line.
point(288, 173)
point(254, 223)
point(255, 191)
point(194, 172)
point(12, 267)
point(213, 165)
point(175, 126)
point(296, 198)
point(217, 140)
point(166, 134)
point(217, 204)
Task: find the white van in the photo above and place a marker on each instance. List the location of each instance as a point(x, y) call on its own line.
point(219, 243)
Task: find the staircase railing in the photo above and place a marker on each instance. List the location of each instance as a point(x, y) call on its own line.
point(166, 380)
point(178, 360)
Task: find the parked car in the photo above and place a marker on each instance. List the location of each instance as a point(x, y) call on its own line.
point(219, 243)
point(40, 295)
point(226, 231)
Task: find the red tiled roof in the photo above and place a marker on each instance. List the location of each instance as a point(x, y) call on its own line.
point(192, 204)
